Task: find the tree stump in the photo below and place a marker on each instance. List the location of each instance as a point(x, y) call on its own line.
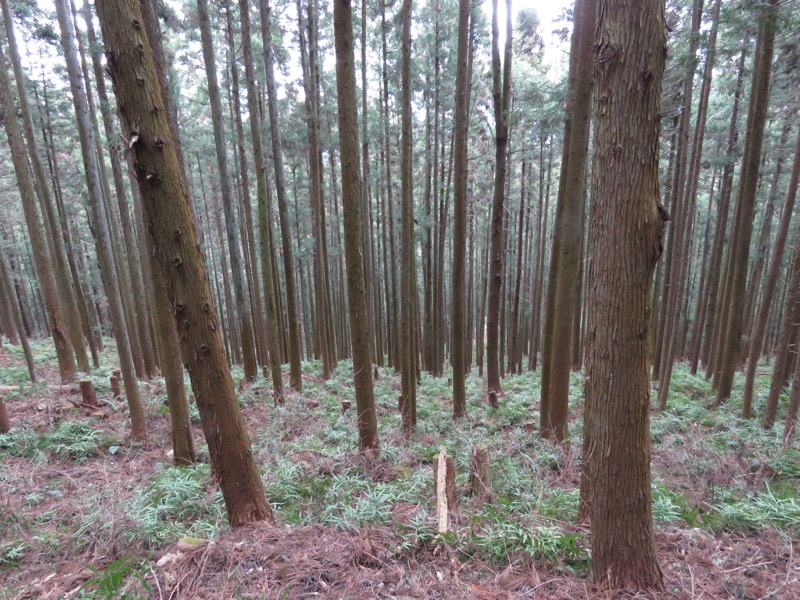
point(88, 393)
point(444, 485)
point(376, 374)
point(5, 422)
point(345, 406)
point(479, 472)
point(493, 398)
point(116, 390)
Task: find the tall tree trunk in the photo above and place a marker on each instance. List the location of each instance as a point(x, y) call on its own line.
point(60, 269)
point(775, 262)
point(127, 227)
point(242, 306)
point(270, 290)
point(626, 226)
point(295, 369)
point(358, 298)
point(168, 209)
point(713, 318)
point(740, 243)
point(102, 237)
point(408, 269)
point(501, 96)
point(458, 301)
point(41, 253)
point(685, 200)
point(567, 249)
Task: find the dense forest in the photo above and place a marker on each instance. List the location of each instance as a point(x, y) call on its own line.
point(398, 299)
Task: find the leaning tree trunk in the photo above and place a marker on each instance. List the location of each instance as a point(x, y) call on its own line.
point(167, 210)
point(625, 234)
point(102, 238)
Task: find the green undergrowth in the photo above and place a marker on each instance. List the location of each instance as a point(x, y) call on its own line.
point(711, 470)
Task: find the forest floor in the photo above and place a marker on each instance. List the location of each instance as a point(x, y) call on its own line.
point(85, 514)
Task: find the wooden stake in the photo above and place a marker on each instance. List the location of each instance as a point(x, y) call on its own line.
point(116, 390)
point(88, 393)
point(479, 472)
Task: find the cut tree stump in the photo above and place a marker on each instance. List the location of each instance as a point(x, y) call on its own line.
point(5, 422)
point(444, 479)
point(116, 390)
point(346, 404)
point(479, 472)
point(88, 393)
point(493, 398)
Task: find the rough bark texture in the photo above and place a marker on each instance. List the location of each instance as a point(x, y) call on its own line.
point(169, 220)
point(97, 203)
point(625, 233)
point(360, 333)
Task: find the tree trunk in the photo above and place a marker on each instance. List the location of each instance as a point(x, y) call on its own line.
point(242, 306)
point(568, 228)
point(167, 210)
point(41, 253)
point(501, 96)
point(407, 264)
point(16, 325)
point(295, 369)
point(776, 260)
point(270, 290)
point(626, 226)
point(740, 243)
point(458, 301)
point(102, 238)
point(360, 333)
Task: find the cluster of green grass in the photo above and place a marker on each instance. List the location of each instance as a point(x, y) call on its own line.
point(75, 440)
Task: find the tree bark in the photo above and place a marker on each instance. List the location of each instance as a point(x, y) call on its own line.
point(776, 260)
point(170, 222)
point(354, 241)
point(458, 301)
point(740, 243)
point(626, 226)
point(295, 369)
point(41, 253)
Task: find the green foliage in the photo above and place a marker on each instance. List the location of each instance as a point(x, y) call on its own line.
point(75, 440)
point(178, 501)
point(12, 552)
point(109, 582)
point(757, 511)
point(502, 541)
